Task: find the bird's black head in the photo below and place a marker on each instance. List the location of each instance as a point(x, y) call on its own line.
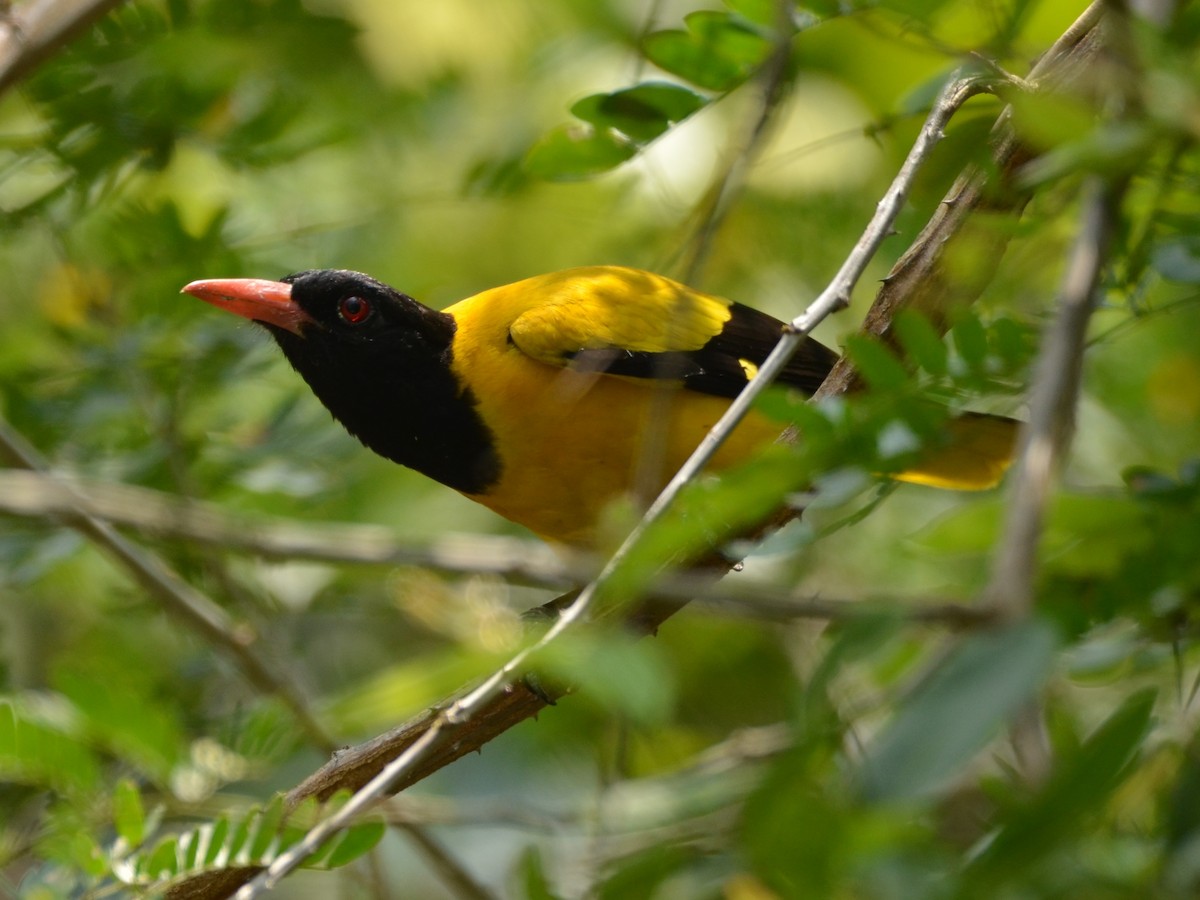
point(357, 309)
point(379, 361)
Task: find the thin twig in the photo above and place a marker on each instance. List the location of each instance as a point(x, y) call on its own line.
point(1044, 444)
point(41, 495)
point(237, 640)
point(168, 516)
point(34, 31)
point(453, 875)
point(1055, 392)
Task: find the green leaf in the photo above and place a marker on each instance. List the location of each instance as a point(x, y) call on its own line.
point(641, 877)
point(957, 709)
point(354, 842)
point(707, 513)
point(970, 340)
point(968, 529)
point(534, 883)
point(128, 814)
point(761, 12)
point(716, 52)
point(921, 342)
point(162, 863)
point(266, 828)
point(571, 153)
point(216, 840)
point(616, 670)
point(35, 753)
point(238, 843)
point(642, 112)
point(876, 363)
point(1079, 785)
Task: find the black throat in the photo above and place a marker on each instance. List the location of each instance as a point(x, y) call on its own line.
point(396, 393)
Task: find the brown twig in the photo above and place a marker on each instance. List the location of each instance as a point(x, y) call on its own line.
point(920, 279)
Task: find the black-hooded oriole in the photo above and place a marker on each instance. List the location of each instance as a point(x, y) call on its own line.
point(535, 398)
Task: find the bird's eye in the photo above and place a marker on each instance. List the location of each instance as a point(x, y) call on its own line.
point(354, 309)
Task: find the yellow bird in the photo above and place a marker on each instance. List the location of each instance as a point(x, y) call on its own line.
point(536, 398)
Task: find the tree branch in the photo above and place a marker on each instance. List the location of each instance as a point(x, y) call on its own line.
point(236, 640)
point(44, 496)
point(33, 32)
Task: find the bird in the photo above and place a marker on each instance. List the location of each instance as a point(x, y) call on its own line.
point(543, 399)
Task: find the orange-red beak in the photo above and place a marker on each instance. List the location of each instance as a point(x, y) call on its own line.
point(255, 299)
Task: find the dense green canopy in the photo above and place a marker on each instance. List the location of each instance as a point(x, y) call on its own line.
point(844, 719)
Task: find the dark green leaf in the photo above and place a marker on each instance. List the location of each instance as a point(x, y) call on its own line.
point(266, 828)
point(957, 709)
point(162, 863)
point(921, 342)
point(1078, 787)
point(970, 340)
point(354, 842)
point(716, 52)
point(216, 840)
point(642, 112)
point(641, 877)
point(534, 884)
point(876, 363)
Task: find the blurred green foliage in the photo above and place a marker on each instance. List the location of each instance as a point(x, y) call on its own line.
point(446, 148)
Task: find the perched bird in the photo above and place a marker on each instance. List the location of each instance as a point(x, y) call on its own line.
point(540, 399)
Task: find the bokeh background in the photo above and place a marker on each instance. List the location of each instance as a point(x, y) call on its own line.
point(189, 139)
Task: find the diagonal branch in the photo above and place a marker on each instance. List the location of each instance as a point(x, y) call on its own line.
point(237, 640)
point(34, 31)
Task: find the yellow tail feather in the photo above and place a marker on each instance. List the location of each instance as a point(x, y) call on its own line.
point(979, 451)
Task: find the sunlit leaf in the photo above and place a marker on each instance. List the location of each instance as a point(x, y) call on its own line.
point(570, 153)
point(128, 814)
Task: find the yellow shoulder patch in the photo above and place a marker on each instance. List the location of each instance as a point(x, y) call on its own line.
point(605, 307)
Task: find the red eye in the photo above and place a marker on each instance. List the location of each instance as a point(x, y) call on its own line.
point(354, 309)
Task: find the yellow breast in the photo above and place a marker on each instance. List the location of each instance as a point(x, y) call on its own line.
point(571, 442)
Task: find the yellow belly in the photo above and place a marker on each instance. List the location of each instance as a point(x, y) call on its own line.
point(571, 443)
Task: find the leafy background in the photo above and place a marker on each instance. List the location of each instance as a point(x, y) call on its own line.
point(444, 148)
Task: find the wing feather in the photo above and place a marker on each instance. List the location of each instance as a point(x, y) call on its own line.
point(639, 325)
